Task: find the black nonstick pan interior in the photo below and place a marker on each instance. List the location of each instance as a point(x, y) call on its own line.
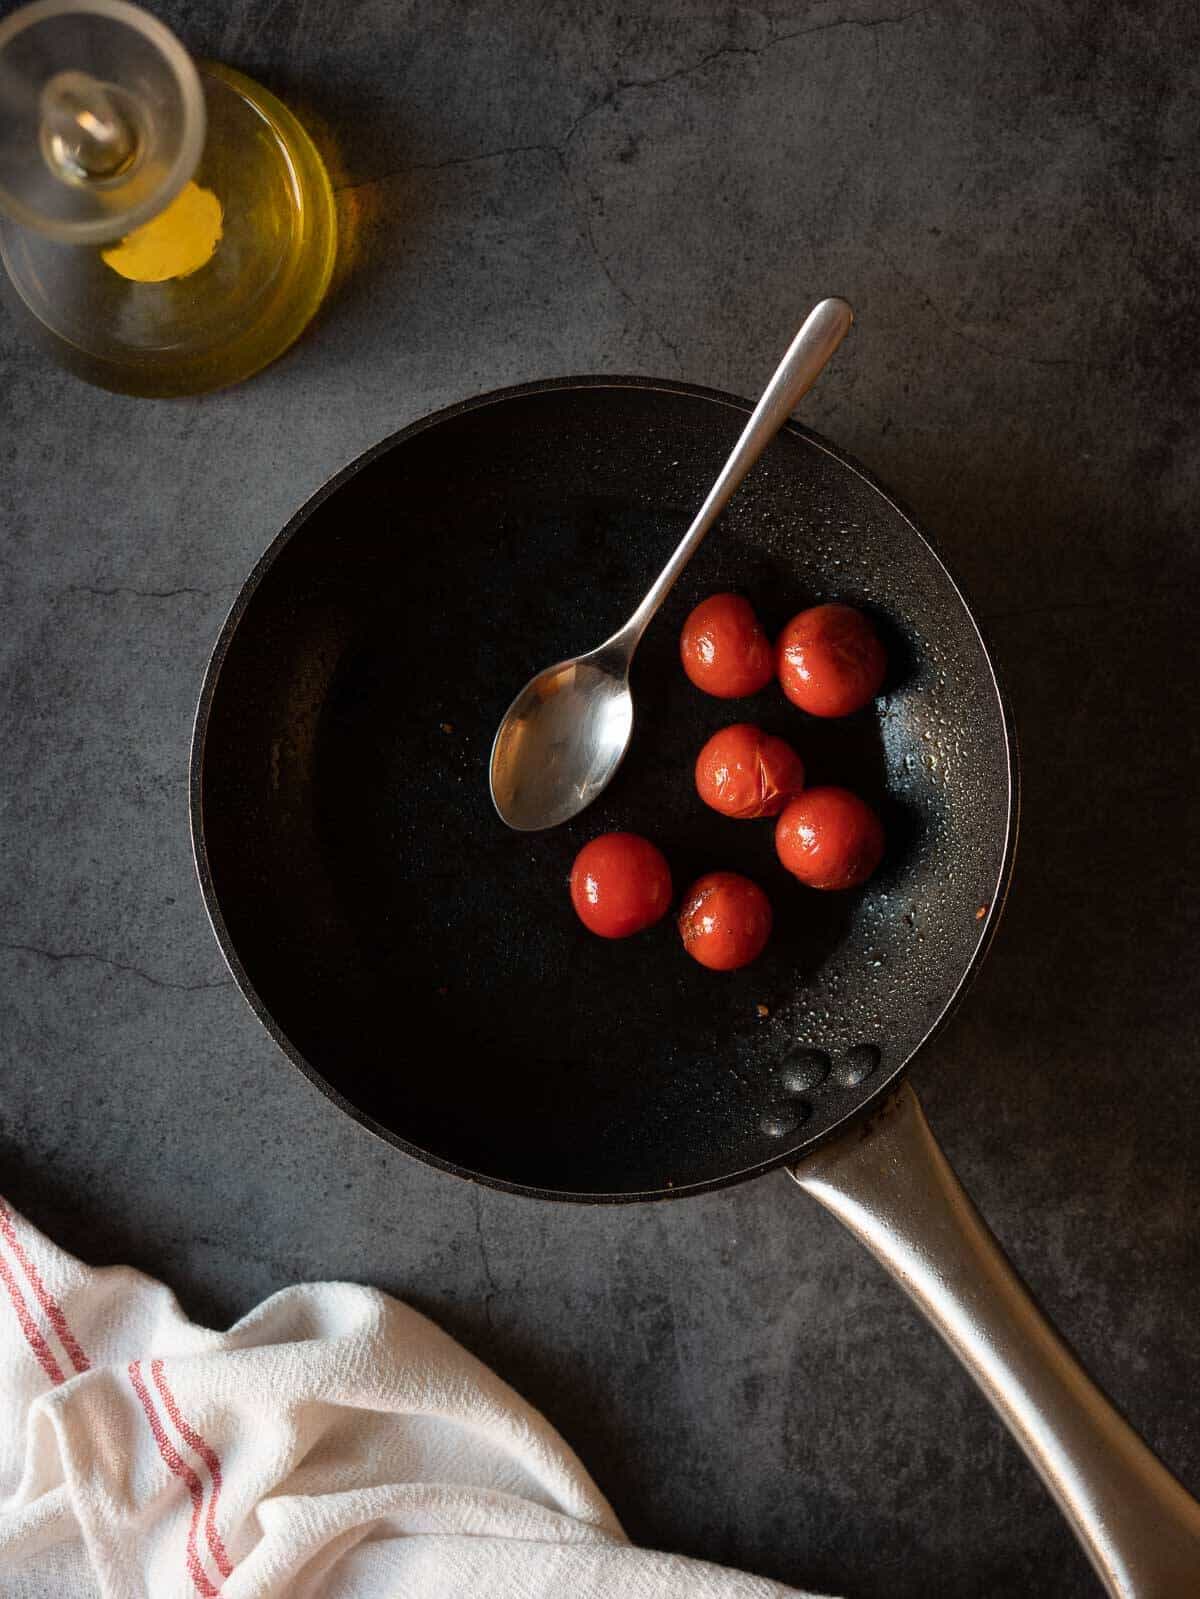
point(420, 961)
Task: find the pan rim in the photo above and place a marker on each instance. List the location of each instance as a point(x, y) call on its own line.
point(208, 689)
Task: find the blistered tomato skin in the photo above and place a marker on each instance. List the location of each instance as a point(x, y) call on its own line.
point(743, 772)
point(830, 660)
point(725, 921)
point(829, 838)
point(620, 883)
point(724, 650)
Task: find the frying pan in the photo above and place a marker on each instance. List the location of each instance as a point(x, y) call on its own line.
point(356, 874)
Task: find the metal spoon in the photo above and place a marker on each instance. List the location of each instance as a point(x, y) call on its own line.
point(567, 731)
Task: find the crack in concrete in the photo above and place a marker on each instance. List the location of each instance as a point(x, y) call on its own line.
point(710, 56)
point(57, 955)
point(493, 1287)
point(143, 594)
point(1015, 355)
point(451, 161)
point(587, 232)
point(558, 152)
point(623, 84)
point(955, 331)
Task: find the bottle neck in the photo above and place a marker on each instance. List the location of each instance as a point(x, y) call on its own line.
point(87, 136)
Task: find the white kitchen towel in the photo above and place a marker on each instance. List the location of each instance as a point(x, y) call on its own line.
point(334, 1444)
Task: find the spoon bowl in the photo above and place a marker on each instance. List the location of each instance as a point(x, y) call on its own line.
point(562, 739)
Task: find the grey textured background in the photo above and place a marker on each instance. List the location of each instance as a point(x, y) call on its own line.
point(1008, 197)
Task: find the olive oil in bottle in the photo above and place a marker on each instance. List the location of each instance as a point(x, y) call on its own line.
point(186, 245)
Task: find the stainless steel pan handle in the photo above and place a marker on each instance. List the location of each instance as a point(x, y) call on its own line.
point(889, 1182)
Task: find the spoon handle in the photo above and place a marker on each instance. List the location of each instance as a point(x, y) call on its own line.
point(826, 325)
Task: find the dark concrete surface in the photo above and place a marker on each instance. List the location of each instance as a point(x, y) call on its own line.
point(1007, 194)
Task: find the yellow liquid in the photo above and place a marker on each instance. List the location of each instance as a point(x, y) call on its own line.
point(218, 284)
point(175, 243)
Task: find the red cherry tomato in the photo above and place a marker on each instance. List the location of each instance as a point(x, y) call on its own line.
point(744, 772)
point(620, 883)
point(725, 652)
point(725, 921)
point(829, 838)
point(830, 660)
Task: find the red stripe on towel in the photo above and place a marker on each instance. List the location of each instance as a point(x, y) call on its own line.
point(29, 1327)
point(180, 1469)
point(207, 1454)
point(54, 1311)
